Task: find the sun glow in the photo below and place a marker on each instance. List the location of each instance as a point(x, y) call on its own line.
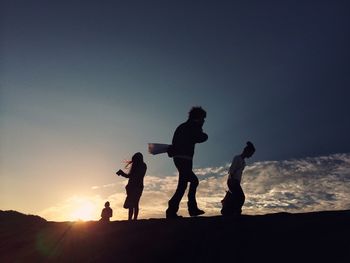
point(85, 211)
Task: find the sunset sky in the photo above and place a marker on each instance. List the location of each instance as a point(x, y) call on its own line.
point(85, 84)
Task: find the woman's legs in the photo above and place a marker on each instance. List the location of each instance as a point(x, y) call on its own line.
point(136, 212)
point(131, 211)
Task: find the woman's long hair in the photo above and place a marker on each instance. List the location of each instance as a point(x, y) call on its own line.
point(136, 159)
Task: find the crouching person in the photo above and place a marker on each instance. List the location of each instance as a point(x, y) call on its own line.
point(106, 213)
point(234, 198)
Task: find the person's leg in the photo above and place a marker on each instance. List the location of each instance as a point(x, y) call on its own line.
point(227, 204)
point(181, 187)
point(240, 199)
point(187, 172)
point(138, 194)
point(192, 202)
point(192, 178)
point(136, 212)
point(130, 213)
point(238, 196)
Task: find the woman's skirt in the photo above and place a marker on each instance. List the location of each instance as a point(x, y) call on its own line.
point(133, 195)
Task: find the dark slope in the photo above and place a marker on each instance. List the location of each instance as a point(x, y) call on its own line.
point(309, 237)
point(11, 217)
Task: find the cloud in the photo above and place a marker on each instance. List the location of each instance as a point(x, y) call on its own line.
point(296, 185)
point(102, 186)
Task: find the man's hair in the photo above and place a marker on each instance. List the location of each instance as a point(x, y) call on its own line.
point(250, 146)
point(197, 113)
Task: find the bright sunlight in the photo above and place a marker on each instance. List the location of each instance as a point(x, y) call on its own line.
point(85, 210)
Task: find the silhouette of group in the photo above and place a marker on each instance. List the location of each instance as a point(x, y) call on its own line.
point(182, 149)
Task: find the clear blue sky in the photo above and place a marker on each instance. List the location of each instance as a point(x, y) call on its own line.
point(85, 84)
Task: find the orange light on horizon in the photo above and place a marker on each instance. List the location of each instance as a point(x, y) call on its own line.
point(85, 211)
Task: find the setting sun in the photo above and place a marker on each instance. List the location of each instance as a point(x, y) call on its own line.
point(85, 211)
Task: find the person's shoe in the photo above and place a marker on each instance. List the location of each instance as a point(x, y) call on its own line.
point(196, 212)
point(171, 215)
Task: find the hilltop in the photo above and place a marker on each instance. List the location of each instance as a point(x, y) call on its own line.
point(306, 237)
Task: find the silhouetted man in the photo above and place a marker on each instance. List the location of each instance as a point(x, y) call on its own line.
point(234, 198)
point(182, 150)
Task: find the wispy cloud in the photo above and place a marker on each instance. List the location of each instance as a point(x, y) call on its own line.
point(102, 186)
point(311, 184)
point(297, 185)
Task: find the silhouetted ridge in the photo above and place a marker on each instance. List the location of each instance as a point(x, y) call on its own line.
point(280, 237)
point(13, 217)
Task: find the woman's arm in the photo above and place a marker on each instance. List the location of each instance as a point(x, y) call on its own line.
point(121, 172)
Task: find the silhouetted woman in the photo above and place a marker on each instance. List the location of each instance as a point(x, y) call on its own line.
point(134, 187)
point(234, 199)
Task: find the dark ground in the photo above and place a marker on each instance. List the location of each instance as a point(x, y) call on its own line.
point(283, 237)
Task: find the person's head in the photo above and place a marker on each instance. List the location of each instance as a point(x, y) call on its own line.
point(137, 158)
point(197, 114)
point(107, 204)
point(249, 150)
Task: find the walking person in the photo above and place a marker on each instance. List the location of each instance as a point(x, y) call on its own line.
point(185, 137)
point(234, 198)
point(134, 187)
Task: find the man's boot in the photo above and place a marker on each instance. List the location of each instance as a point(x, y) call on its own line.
point(170, 213)
point(193, 209)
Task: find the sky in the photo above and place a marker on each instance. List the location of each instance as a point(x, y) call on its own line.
point(85, 84)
